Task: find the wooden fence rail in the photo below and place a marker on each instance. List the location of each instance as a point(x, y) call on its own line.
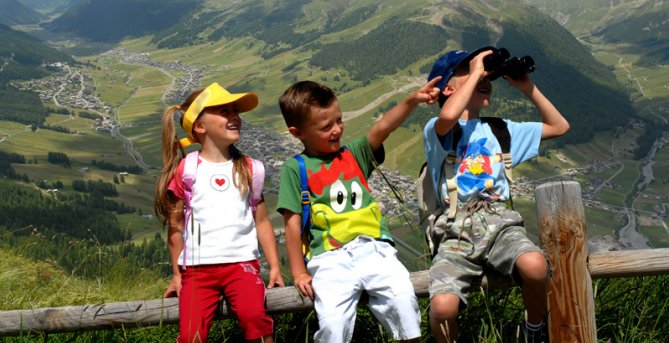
point(570, 299)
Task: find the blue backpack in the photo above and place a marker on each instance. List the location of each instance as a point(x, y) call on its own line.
point(305, 231)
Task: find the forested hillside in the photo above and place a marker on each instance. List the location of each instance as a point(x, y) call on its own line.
point(22, 207)
point(111, 21)
point(69, 230)
point(642, 25)
point(647, 32)
point(50, 7)
point(581, 86)
point(13, 12)
point(22, 57)
point(368, 40)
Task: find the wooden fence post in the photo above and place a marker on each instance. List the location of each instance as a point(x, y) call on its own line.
point(561, 217)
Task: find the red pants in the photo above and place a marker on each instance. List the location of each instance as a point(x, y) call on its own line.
point(201, 290)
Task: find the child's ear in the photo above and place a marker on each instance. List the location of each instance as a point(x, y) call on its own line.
point(295, 132)
point(198, 127)
point(448, 90)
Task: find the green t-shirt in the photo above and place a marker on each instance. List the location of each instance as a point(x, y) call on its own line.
point(342, 207)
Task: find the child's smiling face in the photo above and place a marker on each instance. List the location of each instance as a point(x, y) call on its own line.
point(221, 123)
point(321, 133)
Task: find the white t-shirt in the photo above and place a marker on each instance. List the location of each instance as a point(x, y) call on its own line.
point(222, 229)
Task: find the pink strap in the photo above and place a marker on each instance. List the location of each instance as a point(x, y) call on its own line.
point(188, 179)
point(258, 180)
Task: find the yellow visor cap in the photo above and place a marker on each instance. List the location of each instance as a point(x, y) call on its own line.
point(214, 95)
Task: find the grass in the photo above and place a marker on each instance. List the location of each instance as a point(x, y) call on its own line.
point(26, 284)
point(72, 123)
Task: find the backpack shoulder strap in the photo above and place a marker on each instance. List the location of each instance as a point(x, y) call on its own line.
point(501, 131)
point(305, 198)
point(187, 180)
point(447, 173)
point(429, 209)
point(188, 177)
point(305, 231)
point(257, 170)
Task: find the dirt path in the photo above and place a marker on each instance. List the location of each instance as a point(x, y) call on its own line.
point(413, 83)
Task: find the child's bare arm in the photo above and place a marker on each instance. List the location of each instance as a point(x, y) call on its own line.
point(555, 125)
point(267, 242)
point(175, 243)
point(301, 277)
point(396, 116)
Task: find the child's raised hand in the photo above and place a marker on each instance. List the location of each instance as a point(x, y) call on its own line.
point(429, 93)
point(476, 66)
point(522, 83)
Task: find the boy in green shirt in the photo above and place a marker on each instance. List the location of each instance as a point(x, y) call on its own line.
point(351, 248)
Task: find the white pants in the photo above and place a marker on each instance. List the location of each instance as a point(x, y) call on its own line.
point(340, 276)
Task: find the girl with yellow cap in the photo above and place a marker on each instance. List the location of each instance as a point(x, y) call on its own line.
point(212, 202)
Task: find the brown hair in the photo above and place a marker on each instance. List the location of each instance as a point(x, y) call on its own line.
point(297, 101)
point(164, 201)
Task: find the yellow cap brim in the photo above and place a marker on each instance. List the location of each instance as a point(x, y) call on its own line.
point(214, 95)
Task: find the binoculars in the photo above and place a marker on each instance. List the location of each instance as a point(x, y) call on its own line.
point(500, 63)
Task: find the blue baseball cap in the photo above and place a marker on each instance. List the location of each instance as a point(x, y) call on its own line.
point(445, 66)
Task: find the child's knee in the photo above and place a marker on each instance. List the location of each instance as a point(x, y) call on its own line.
point(532, 267)
point(444, 306)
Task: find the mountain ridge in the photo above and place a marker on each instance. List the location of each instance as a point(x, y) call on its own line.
point(13, 12)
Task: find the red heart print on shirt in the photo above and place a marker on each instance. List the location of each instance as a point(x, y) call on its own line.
point(219, 182)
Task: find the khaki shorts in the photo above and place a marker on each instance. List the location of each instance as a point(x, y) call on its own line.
point(491, 237)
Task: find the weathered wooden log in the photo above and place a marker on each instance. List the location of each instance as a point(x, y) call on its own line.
point(132, 314)
point(571, 307)
point(89, 317)
point(628, 263)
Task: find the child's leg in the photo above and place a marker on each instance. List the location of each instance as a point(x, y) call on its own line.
point(337, 290)
point(198, 300)
point(245, 292)
point(392, 298)
point(513, 251)
point(532, 268)
point(451, 274)
point(443, 316)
